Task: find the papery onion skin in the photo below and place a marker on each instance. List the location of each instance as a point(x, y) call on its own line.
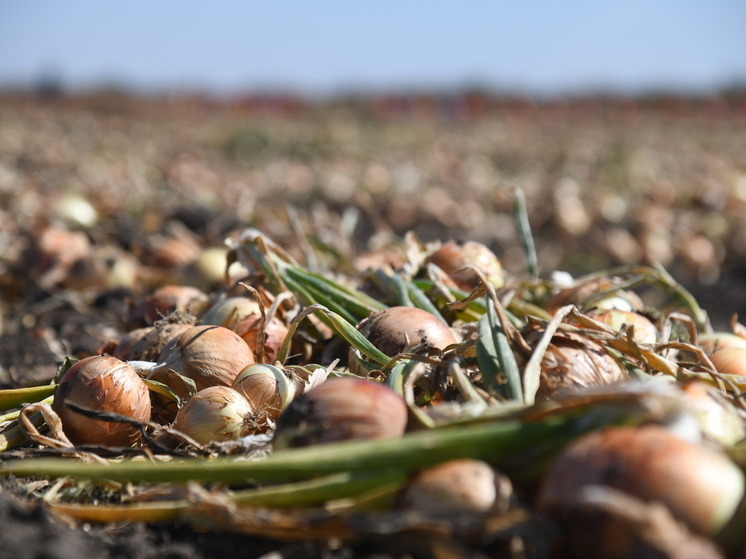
point(102, 383)
point(214, 414)
point(700, 486)
point(209, 355)
point(342, 409)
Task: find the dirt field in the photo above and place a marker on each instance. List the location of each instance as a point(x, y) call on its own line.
point(608, 182)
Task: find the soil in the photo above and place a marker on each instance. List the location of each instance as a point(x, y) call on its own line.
point(176, 153)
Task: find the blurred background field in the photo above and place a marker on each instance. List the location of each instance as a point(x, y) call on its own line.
point(608, 180)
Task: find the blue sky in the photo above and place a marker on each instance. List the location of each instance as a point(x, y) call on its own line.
point(539, 46)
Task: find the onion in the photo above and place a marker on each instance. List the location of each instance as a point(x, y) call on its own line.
point(209, 355)
point(149, 347)
point(395, 329)
point(644, 330)
point(456, 260)
point(453, 487)
point(230, 311)
point(572, 361)
point(700, 486)
point(102, 383)
point(165, 300)
point(730, 360)
point(342, 409)
point(214, 414)
point(720, 340)
point(585, 296)
point(208, 270)
point(243, 316)
point(267, 388)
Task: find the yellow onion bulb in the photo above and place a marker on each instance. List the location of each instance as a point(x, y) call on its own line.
point(572, 361)
point(395, 329)
point(209, 355)
point(453, 487)
point(214, 414)
point(149, 347)
point(714, 341)
point(457, 260)
point(243, 316)
point(230, 311)
point(716, 416)
point(267, 388)
point(730, 360)
point(102, 383)
point(165, 300)
point(644, 331)
point(698, 485)
point(341, 409)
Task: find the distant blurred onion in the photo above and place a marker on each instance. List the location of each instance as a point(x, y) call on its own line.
point(457, 259)
point(102, 383)
point(207, 270)
point(166, 300)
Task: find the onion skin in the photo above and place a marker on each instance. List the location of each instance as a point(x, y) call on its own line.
point(699, 486)
point(107, 384)
point(341, 409)
point(209, 355)
point(395, 329)
point(214, 414)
